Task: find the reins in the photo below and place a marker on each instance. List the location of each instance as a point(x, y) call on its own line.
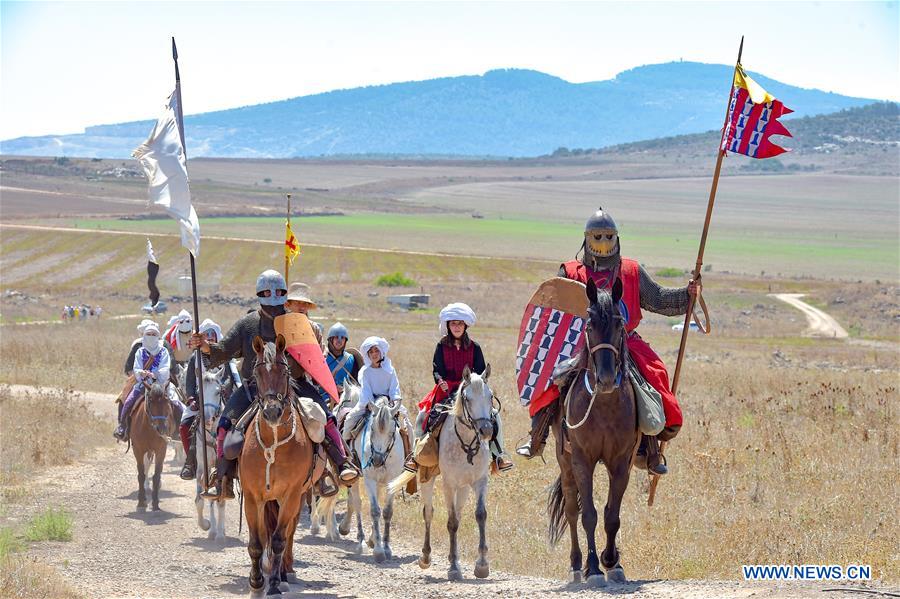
point(592, 369)
point(269, 451)
point(382, 454)
point(472, 447)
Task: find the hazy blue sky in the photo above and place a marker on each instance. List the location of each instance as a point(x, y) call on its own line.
point(69, 65)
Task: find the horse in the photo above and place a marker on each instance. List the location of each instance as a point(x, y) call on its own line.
point(151, 422)
point(600, 420)
point(464, 460)
point(381, 453)
point(205, 436)
point(322, 509)
point(276, 466)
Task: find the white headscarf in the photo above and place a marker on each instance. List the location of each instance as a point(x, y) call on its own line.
point(143, 325)
point(208, 325)
point(382, 344)
point(180, 319)
point(155, 349)
point(456, 311)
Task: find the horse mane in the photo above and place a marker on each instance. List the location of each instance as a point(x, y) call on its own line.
point(156, 391)
point(604, 304)
point(458, 403)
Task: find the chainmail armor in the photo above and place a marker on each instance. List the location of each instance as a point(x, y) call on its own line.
point(668, 301)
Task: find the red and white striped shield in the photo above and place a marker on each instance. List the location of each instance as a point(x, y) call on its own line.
point(551, 332)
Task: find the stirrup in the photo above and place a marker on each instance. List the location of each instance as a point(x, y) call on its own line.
point(411, 466)
point(525, 450)
point(503, 464)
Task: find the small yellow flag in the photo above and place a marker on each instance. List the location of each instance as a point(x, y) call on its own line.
point(291, 245)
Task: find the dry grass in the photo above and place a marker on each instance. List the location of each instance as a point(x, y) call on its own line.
point(27, 578)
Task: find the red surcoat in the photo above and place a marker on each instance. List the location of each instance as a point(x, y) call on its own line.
point(649, 364)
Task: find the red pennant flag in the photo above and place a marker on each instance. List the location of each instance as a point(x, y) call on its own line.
point(753, 119)
point(302, 345)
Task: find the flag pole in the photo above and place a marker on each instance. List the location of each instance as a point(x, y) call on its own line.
point(654, 481)
point(287, 258)
point(198, 364)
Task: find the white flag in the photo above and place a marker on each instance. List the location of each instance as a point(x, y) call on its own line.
point(165, 164)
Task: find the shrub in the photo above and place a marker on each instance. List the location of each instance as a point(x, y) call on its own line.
point(669, 272)
point(51, 525)
point(396, 279)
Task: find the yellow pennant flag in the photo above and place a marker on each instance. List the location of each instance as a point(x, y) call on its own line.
point(291, 245)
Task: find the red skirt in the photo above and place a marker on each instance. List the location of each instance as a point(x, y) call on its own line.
point(651, 367)
point(437, 395)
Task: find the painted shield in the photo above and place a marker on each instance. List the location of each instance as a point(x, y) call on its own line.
point(302, 345)
point(551, 332)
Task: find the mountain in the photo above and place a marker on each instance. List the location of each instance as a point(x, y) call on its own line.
point(507, 112)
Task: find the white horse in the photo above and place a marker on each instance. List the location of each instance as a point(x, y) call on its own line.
point(205, 436)
point(464, 461)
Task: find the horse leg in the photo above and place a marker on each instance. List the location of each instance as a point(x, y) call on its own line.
point(282, 543)
point(256, 529)
point(584, 474)
point(427, 491)
point(347, 520)
point(388, 514)
point(453, 573)
point(355, 500)
point(157, 476)
point(287, 566)
point(148, 459)
point(220, 520)
point(142, 479)
point(375, 513)
point(313, 502)
point(482, 566)
point(570, 494)
point(277, 544)
point(618, 482)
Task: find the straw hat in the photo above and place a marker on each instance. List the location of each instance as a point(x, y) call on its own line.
point(299, 292)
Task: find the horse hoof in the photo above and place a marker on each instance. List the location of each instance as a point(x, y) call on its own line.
point(388, 553)
point(221, 541)
point(142, 508)
point(575, 577)
point(454, 575)
point(284, 586)
point(596, 581)
point(344, 530)
point(370, 542)
point(482, 571)
point(358, 548)
point(424, 562)
point(156, 507)
point(257, 585)
point(616, 575)
point(379, 556)
point(273, 591)
point(204, 525)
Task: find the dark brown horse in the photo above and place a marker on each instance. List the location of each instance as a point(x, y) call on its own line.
point(599, 420)
point(151, 421)
point(275, 466)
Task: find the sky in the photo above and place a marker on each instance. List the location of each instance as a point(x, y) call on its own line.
point(68, 65)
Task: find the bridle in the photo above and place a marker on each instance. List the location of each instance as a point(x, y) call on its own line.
point(470, 448)
point(618, 352)
point(150, 415)
point(269, 451)
point(382, 455)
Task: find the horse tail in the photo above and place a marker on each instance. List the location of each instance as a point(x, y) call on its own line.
point(556, 510)
point(399, 483)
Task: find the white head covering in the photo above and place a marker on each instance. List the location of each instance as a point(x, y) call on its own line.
point(209, 325)
point(182, 318)
point(150, 326)
point(143, 325)
point(456, 311)
point(381, 344)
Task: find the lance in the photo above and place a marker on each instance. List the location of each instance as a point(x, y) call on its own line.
point(654, 481)
point(287, 257)
point(198, 363)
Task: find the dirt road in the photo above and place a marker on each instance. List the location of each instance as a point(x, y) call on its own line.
point(820, 323)
point(118, 552)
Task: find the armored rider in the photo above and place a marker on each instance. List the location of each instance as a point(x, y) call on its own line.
point(601, 260)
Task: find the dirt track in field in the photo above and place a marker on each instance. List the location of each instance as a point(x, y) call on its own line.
point(820, 323)
point(118, 552)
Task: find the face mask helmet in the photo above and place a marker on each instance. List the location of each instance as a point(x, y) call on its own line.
point(271, 288)
point(601, 241)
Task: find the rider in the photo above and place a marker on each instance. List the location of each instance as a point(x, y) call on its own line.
point(378, 379)
point(343, 362)
point(213, 333)
point(602, 262)
point(238, 343)
point(150, 365)
point(178, 337)
point(298, 301)
point(454, 352)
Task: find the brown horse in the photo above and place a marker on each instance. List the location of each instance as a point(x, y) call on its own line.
point(599, 420)
point(275, 466)
point(151, 422)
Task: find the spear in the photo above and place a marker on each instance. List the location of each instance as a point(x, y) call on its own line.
point(654, 481)
point(198, 364)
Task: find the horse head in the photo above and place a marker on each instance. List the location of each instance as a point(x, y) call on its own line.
point(474, 402)
point(272, 377)
point(383, 434)
point(604, 335)
point(212, 394)
point(158, 408)
point(350, 394)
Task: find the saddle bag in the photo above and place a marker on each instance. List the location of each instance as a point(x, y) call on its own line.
point(313, 418)
point(427, 452)
point(651, 416)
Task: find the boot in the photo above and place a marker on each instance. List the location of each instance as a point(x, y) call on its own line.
point(334, 447)
point(501, 462)
point(224, 485)
point(649, 458)
point(189, 471)
point(540, 430)
point(407, 449)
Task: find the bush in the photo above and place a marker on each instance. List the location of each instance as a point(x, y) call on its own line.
point(397, 279)
point(669, 272)
point(51, 525)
